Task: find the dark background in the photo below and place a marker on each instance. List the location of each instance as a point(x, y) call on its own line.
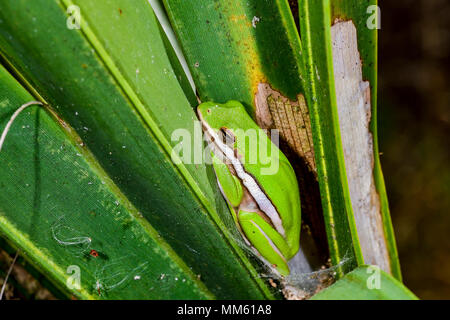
point(413, 111)
point(413, 122)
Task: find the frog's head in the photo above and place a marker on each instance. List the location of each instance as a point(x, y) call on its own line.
point(217, 116)
point(230, 114)
point(220, 120)
point(225, 119)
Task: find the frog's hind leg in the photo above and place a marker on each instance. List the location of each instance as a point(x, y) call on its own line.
point(265, 239)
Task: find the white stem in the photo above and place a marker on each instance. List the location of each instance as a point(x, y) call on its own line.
point(13, 117)
point(165, 24)
point(7, 275)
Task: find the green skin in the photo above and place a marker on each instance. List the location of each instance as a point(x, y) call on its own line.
point(279, 187)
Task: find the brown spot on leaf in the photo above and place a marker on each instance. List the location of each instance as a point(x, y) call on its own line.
point(291, 118)
point(93, 253)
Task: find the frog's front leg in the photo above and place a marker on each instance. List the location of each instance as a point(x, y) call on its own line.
point(265, 239)
point(229, 184)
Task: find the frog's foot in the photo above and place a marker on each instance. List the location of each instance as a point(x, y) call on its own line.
point(265, 239)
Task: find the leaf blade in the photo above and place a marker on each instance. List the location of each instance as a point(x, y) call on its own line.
point(143, 169)
point(73, 186)
point(355, 286)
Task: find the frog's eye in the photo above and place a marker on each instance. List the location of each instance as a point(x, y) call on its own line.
point(228, 136)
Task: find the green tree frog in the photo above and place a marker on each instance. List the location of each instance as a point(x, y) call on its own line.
point(265, 204)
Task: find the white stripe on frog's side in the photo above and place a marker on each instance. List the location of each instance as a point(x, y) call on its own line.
point(249, 182)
